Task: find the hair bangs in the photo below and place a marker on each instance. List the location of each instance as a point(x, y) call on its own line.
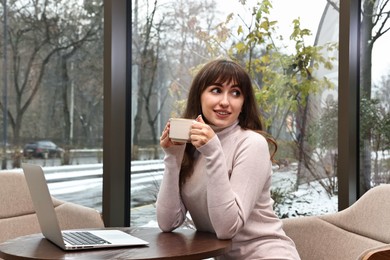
point(225, 72)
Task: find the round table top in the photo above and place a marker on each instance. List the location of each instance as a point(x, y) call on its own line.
point(180, 244)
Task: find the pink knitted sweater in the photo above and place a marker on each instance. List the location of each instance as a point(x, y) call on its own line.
point(228, 194)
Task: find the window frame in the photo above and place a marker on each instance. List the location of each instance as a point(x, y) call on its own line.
point(117, 105)
point(348, 114)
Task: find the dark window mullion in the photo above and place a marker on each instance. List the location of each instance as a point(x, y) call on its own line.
point(348, 121)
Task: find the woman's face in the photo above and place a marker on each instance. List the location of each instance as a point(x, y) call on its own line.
point(222, 103)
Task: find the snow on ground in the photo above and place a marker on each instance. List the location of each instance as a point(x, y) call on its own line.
point(310, 199)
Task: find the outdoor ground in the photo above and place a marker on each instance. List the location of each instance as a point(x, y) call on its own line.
point(310, 199)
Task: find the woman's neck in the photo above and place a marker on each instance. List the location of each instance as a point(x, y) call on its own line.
point(219, 129)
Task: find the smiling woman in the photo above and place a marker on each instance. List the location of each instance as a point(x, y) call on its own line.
point(222, 177)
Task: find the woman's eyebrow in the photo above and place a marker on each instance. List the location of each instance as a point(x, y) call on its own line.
point(221, 84)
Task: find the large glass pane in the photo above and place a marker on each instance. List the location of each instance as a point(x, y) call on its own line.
point(308, 136)
point(374, 95)
point(52, 93)
point(291, 55)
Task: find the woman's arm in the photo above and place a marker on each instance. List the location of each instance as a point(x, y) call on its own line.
point(170, 209)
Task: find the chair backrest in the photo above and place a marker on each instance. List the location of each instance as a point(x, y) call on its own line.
point(369, 216)
point(17, 214)
point(15, 197)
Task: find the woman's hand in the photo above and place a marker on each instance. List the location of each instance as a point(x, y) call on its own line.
point(165, 141)
point(201, 133)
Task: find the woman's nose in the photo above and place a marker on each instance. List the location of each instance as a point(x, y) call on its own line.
point(224, 100)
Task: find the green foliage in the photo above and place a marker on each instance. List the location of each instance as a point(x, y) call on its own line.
point(375, 122)
point(283, 81)
point(386, 132)
point(286, 151)
point(323, 130)
point(279, 196)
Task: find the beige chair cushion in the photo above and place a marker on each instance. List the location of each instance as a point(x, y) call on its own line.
point(369, 216)
point(14, 194)
point(320, 240)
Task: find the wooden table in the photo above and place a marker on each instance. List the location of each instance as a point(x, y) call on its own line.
point(180, 244)
point(380, 253)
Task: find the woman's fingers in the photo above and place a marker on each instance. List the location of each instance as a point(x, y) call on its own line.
point(164, 138)
point(201, 133)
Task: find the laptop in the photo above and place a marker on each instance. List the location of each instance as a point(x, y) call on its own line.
point(69, 239)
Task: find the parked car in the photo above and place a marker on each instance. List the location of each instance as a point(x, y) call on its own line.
point(42, 149)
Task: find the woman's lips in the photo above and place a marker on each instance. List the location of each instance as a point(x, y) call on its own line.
point(222, 114)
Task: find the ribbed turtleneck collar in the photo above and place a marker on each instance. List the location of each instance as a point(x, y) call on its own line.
point(223, 131)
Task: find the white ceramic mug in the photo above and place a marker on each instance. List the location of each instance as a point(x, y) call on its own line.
point(180, 129)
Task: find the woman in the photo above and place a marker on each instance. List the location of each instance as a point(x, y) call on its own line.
point(223, 176)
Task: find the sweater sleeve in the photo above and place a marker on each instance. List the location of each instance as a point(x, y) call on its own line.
point(170, 209)
point(231, 200)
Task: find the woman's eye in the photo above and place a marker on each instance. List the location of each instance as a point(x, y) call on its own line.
point(236, 93)
point(215, 90)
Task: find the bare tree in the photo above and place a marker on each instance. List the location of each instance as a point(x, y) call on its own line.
point(36, 34)
point(165, 47)
point(375, 23)
point(70, 32)
point(147, 65)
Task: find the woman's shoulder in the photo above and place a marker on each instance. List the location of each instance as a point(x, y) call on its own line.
point(235, 135)
point(249, 135)
point(249, 141)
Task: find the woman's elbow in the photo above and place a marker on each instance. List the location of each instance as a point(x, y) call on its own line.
point(165, 228)
point(225, 234)
point(227, 228)
point(168, 224)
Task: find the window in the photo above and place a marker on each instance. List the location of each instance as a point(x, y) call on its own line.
point(52, 93)
point(374, 96)
point(170, 40)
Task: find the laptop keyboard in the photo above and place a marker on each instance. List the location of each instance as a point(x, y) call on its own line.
point(83, 238)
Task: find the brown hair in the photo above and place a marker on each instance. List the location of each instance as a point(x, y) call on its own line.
point(221, 71)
